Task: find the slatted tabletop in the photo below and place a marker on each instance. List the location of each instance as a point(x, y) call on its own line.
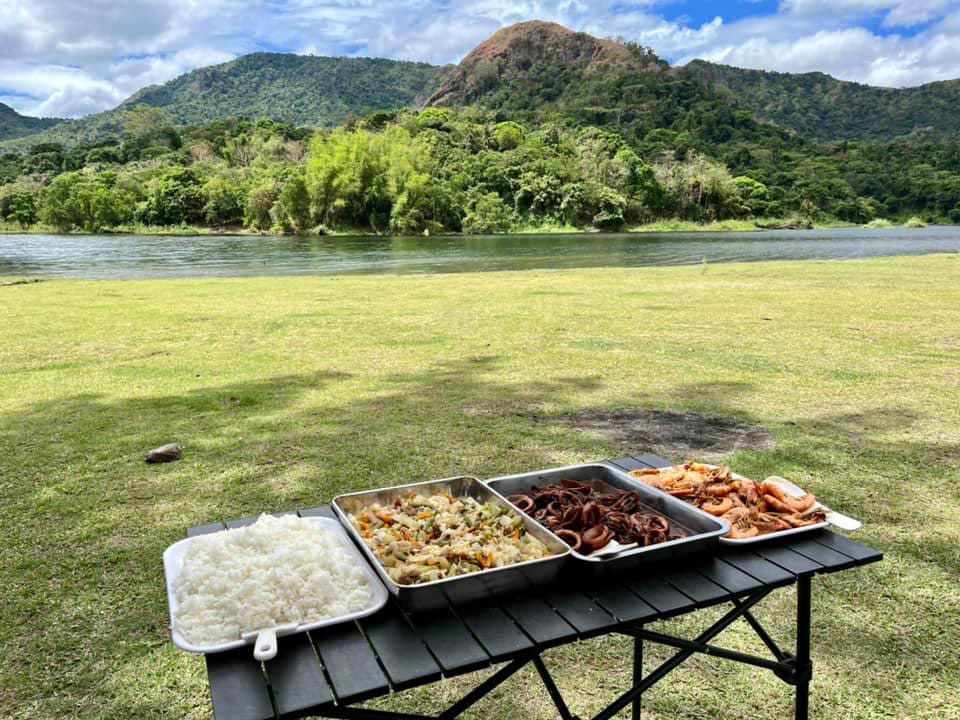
point(330, 668)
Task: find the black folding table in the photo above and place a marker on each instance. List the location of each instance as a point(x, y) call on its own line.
point(326, 673)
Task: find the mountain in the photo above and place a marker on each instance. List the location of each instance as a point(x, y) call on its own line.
point(539, 66)
point(523, 53)
point(300, 89)
point(14, 125)
point(538, 71)
point(821, 106)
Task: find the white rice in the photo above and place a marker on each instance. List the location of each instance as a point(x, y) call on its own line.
point(274, 572)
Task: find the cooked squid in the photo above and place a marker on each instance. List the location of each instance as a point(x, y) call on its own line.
point(588, 521)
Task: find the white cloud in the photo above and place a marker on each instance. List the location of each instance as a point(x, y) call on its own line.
point(897, 13)
point(56, 91)
point(77, 99)
point(915, 12)
point(63, 57)
point(850, 54)
point(835, 7)
point(131, 74)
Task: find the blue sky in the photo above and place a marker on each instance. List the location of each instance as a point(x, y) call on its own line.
point(66, 58)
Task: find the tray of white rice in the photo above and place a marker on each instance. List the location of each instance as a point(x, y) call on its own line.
point(275, 577)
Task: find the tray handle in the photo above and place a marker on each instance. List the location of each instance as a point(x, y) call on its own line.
point(265, 646)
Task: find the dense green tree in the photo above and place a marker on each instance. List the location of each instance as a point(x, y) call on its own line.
point(145, 126)
point(292, 210)
point(18, 203)
point(487, 213)
point(610, 206)
point(44, 159)
point(174, 197)
point(9, 167)
point(698, 188)
point(754, 195)
point(347, 176)
point(57, 207)
point(260, 202)
point(79, 201)
point(22, 210)
point(507, 135)
point(225, 202)
point(106, 154)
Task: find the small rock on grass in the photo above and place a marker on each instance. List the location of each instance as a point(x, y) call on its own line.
point(167, 453)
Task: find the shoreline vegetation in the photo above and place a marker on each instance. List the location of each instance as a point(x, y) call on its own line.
point(443, 171)
point(660, 226)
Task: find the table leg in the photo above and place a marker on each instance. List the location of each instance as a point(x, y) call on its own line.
point(803, 663)
point(637, 672)
point(552, 688)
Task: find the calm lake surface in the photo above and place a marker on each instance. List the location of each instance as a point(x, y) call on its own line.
point(127, 257)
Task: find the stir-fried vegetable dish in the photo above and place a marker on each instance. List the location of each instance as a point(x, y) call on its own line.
point(420, 539)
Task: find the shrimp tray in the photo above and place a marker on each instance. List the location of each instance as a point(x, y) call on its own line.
point(691, 531)
point(771, 510)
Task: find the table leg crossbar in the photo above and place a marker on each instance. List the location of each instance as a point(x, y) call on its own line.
point(350, 713)
point(795, 670)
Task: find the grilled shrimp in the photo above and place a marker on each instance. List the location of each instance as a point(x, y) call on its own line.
point(718, 507)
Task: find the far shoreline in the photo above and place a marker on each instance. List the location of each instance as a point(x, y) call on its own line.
point(663, 226)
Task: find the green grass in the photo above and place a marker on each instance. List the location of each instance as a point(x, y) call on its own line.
point(554, 229)
point(674, 225)
point(8, 228)
point(879, 224)
point(287, 391)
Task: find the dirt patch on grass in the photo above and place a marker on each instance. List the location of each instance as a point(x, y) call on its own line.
point(674, 435)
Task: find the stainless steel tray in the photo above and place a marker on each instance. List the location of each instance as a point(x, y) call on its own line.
point(173, 558)
point(464, 588)
point(704, 530)
point(833, 518)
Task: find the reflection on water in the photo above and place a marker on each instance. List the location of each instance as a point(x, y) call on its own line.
point(122, 256)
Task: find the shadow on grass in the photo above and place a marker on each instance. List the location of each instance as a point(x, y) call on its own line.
point(85, 585)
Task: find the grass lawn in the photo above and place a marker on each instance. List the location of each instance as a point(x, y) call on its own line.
point(286, 391)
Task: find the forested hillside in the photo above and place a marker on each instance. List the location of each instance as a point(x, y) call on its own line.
point(539, 126)
point(538, 71)
point(15, 125)
point(533, 64)
point(826, 108)
point(296, 89)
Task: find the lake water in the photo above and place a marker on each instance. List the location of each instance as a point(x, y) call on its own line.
point(124, 257)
